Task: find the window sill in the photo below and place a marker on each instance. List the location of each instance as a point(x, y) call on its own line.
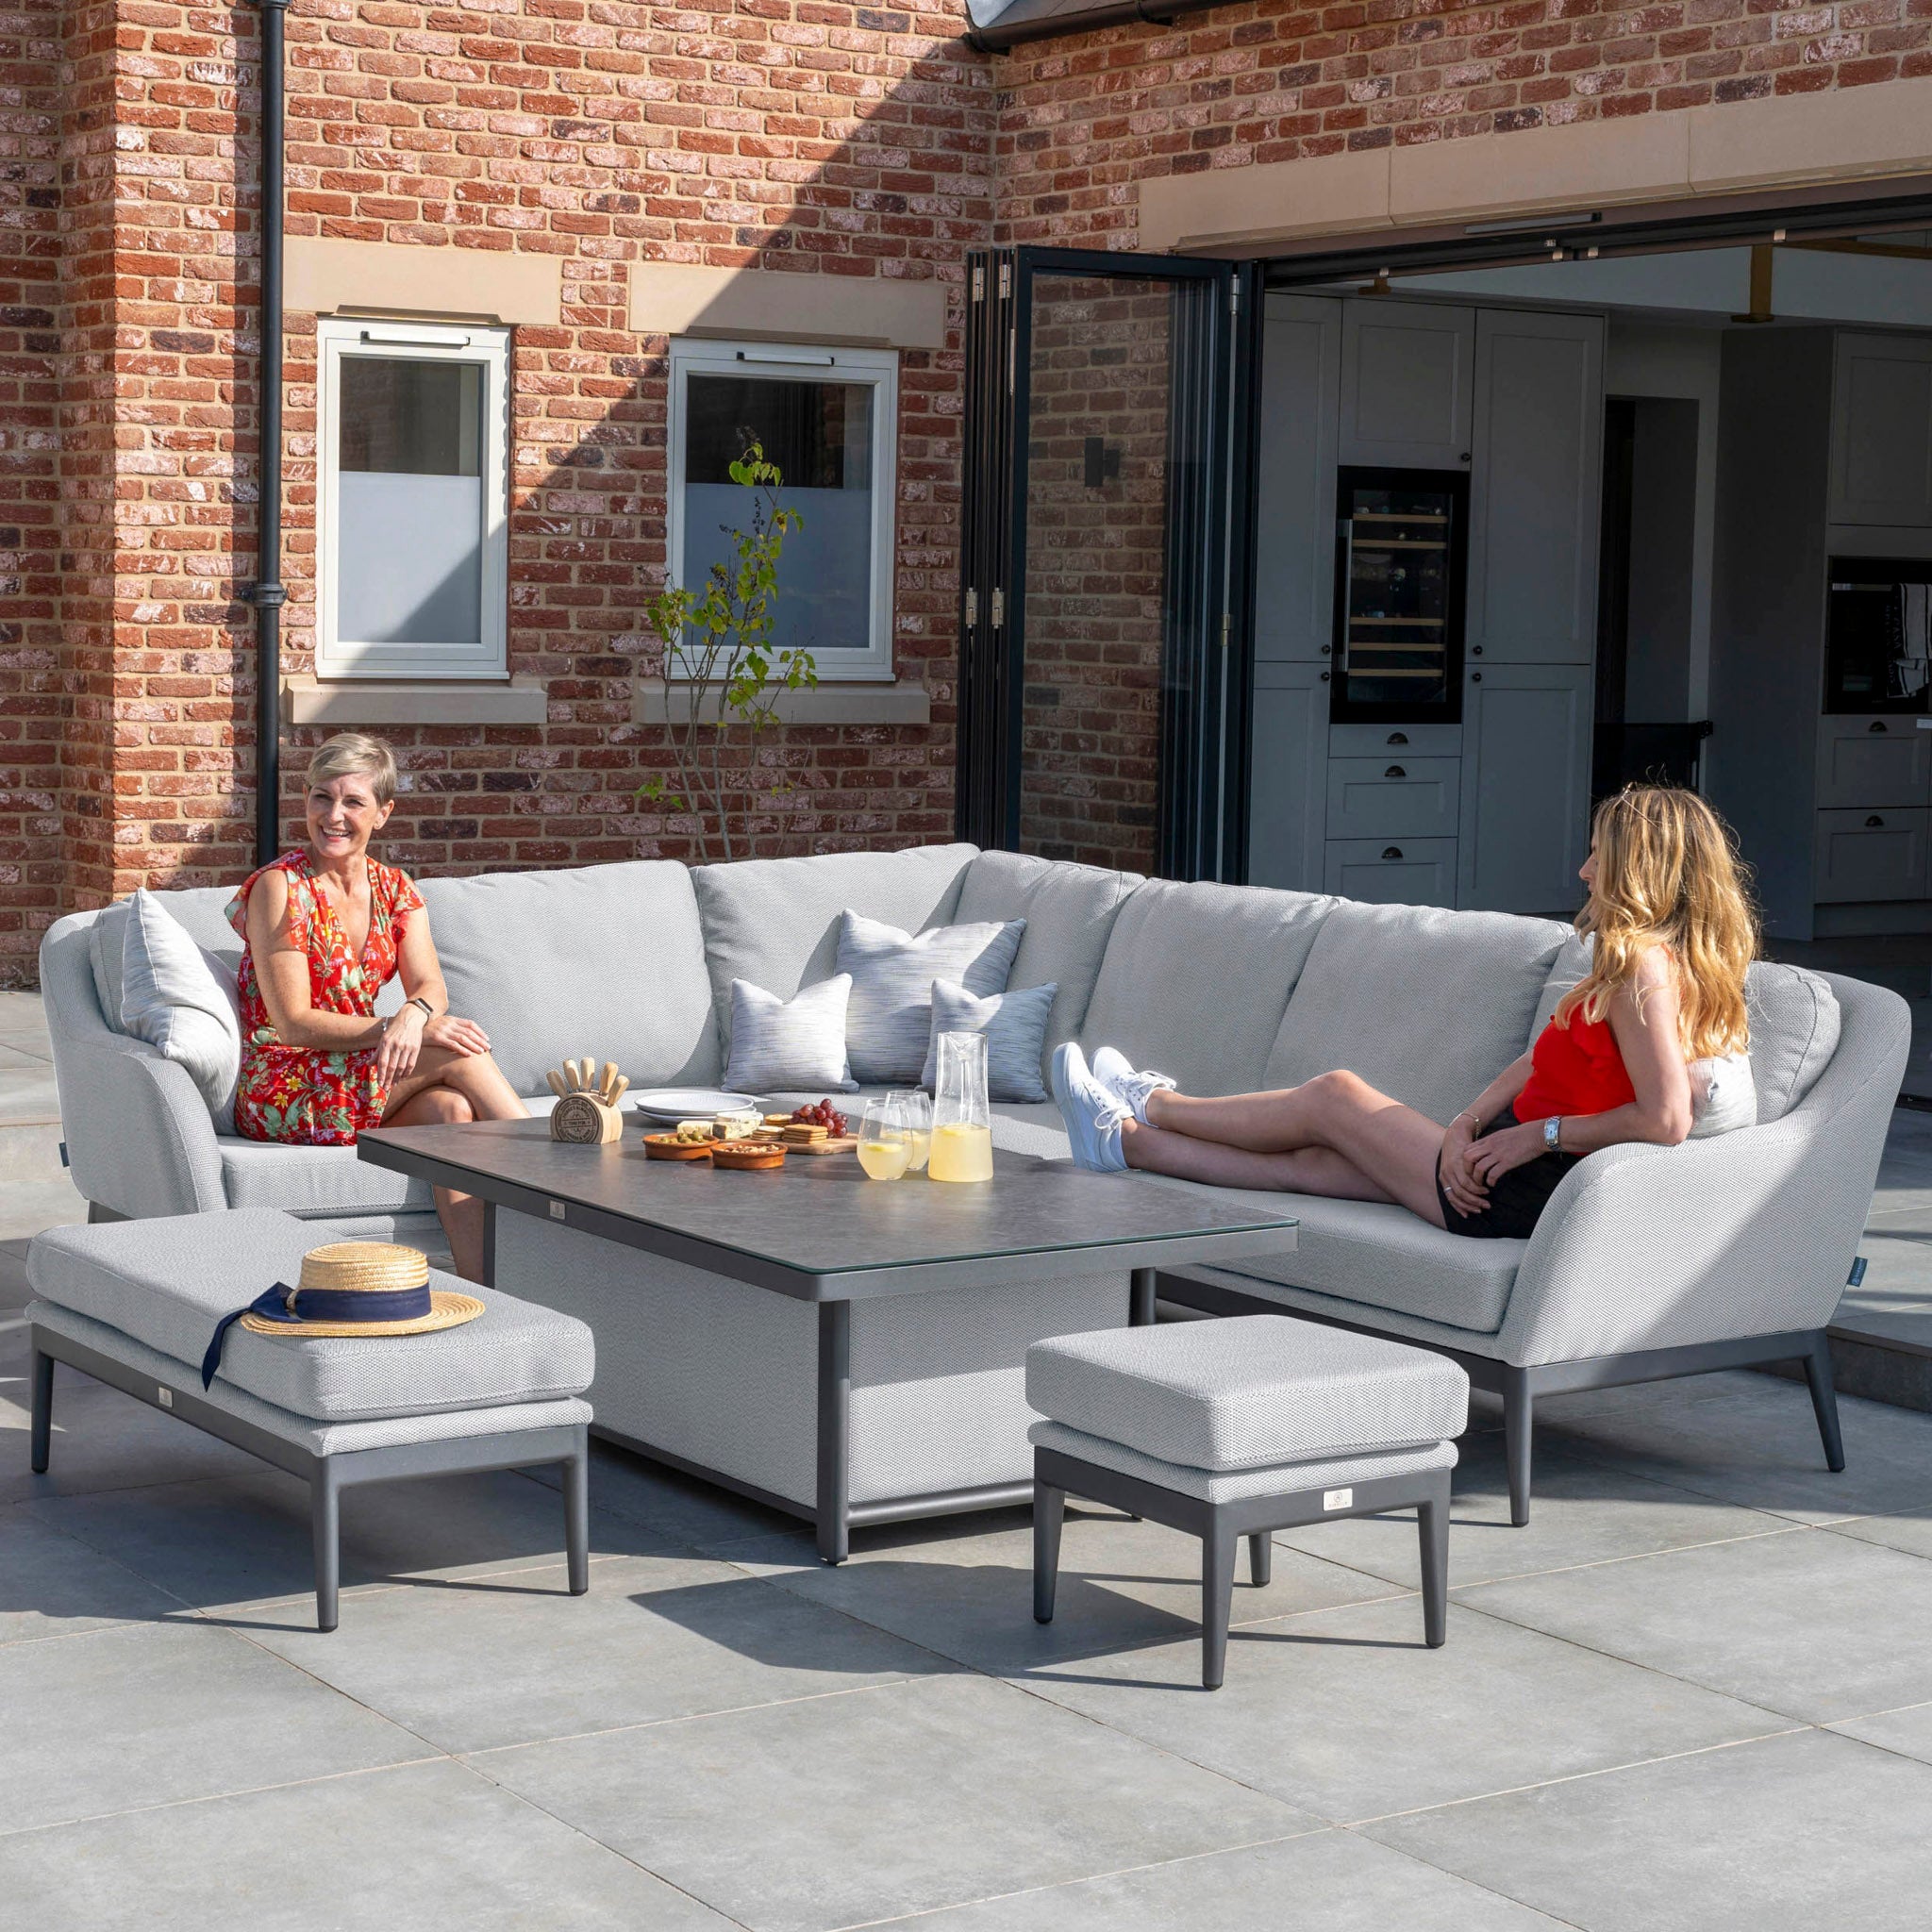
point(345, 702)
point(897, 702)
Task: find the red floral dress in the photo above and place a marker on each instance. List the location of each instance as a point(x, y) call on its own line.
point(306, 1093)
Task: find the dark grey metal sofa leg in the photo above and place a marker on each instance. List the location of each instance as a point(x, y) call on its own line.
point(577, 1515)
point(1824, 1400)
point(1218, 1548)
point(1432, 1523)
point(325, 1525)
point(43, 1433)
point(1519, 1423)
point(1261, 1558)
point(1049, 1512)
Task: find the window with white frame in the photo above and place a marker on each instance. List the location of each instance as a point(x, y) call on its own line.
point(413, 550)
point(827, 418)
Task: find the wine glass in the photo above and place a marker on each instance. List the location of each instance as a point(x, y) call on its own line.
point(916, 1110)
point(885, 1146)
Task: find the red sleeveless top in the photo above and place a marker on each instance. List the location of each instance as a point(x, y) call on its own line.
point(1575, 1068)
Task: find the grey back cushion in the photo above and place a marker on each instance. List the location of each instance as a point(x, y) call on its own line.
point(889, 1019)
point(1426, 1003)
point(1069, 910)
point(601, 960)
point(1196, 979)
point(775, 922)
point(201, 911)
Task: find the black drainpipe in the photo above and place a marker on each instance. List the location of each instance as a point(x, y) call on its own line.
point(267, 594)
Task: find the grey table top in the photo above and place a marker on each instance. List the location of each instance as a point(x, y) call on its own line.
point(819, 1229)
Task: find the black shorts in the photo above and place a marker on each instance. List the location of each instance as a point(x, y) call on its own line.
point(1516, 1198)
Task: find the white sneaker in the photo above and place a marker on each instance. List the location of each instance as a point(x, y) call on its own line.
point(1114, 1071)
point(1092, 1114)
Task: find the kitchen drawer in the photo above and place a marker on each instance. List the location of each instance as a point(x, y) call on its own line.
point(1392, 797)
point(1874, 762)
point(1412, 740)
point(1868, 855)
point(1392, 871)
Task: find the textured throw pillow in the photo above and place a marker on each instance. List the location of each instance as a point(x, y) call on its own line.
point(182, 1000)
point(1015, 1028)
point(892, 972)
point(789, 1046)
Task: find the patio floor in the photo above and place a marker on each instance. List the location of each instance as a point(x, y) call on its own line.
point(1696, 1692)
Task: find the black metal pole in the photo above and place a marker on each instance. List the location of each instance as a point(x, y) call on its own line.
point(267, 594)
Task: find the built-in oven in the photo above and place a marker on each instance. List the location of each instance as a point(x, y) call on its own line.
point(1878, 635)
point(1400, 553)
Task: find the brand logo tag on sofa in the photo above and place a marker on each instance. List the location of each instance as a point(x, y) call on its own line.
point(556, 1210)
point(1338, 1499)
point(165, 1397)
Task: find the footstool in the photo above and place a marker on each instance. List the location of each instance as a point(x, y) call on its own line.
point(134, 1303)
point(1237, 1427)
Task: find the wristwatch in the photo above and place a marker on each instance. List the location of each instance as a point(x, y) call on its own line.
point(416, 1000)
point(1553, 1129)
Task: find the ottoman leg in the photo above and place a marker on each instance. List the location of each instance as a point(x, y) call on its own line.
point(1218, 1548)
point(577, 1516)
point(1049, 1512)
point(1432, 1522)
point(325, 1524)
point(1261, 1558)
point(43, 1434)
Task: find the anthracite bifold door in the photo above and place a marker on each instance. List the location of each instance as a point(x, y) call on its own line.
point(1101, 697)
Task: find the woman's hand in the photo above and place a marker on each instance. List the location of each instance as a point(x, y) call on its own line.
point(459, 1036)
point(402, 1041)
point(1467, 1194)
point(1497, 1153)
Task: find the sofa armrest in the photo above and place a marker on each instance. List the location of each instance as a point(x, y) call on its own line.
point(138, 1138)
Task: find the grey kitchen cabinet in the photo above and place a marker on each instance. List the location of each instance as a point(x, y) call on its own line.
point(1881, 429)
point(1874, 760)
point(1288, 789)
point(1392, 871)
point(1863, 856)
point(1295, 560)
point(1524, 823)
point(1395, 741)
point(1535, 488)
point(1392, 797)
point(1406, 373)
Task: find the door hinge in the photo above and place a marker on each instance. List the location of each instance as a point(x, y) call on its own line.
point(1227, 625)
point(972, 608)
point(978, 282)
point(1006, 279)
point(1233, 298)
point(999, 609)
point(1013, 357)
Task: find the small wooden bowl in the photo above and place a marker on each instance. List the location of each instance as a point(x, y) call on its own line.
point(668, 1148)
point(749, 1157)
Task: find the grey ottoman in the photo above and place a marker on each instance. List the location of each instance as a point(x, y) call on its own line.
point(134, 1303)
point(1239, 1427)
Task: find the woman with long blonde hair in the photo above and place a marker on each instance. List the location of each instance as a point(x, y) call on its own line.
point(1648, 1045)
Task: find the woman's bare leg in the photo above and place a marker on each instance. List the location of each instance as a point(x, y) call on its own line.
point(1302, 1171)
point(462, 1214)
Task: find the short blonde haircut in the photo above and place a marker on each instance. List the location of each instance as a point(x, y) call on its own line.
point(355, 752)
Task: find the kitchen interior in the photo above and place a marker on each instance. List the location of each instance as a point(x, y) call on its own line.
point(1529, 531)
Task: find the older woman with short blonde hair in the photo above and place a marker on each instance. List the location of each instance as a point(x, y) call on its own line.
point(328, 927)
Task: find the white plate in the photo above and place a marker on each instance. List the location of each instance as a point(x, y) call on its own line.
point(674, 1104)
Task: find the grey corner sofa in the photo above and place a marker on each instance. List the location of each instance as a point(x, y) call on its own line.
point(1649, 1263)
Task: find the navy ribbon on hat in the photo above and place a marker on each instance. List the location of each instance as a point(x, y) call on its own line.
point(295, 1305)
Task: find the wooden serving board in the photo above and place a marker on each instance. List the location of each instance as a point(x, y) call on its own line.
point(845, 1143)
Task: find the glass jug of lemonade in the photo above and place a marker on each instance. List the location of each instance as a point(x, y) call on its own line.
point(962, 1119)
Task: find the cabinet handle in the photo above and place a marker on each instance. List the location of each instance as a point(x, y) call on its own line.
point(1327, 648)
point(1465, 455)
point(1875, 820)
point(1324, 678)
point(1476, 677)
point(1398, 738)
point(1876, 725)
point(1395, 772)
point(1476, 650)
point(1391, 852)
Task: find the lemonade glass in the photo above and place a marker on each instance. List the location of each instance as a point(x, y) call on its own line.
point(916, 1105)
point(885, 1145)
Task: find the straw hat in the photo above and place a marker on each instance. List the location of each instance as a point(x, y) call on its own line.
point(365, 1267)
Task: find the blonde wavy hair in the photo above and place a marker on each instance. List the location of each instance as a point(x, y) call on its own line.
point(1667, 874)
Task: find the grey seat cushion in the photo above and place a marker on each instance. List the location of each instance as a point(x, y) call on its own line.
point(1239, 1486)
point(166, 1283)
point(311, 1182)
point(604, 960)
point(1196, 979)
point(1426, 1005)
point(1247, 1390)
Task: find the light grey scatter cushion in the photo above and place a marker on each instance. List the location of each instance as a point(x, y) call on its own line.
point(182, 1000)
point(1015, 1028)
point(799, 1042)
point(889, 1019)
point(1724, 1096)
point(1794, 1027)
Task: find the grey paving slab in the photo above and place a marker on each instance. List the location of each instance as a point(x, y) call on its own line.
point(1329, 1881)
point(1750, 1440)
point(695, 1513)
point(1906, 1530)
point(427, 1847)
point(14, 1292)
point(1584, 1512)
point(1804, 1830)
point(515, 1658)
point(35, 1192)
point(153, 1713)
point(1811, 1626)
point(967, 1591)
point(52, 1586)
point(23, 1017)
point(1907, 1731)
point(28, 1093)
point(842, 1810)
point(1895, 1301)
point(230, 1541)
point(1346, 1714)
